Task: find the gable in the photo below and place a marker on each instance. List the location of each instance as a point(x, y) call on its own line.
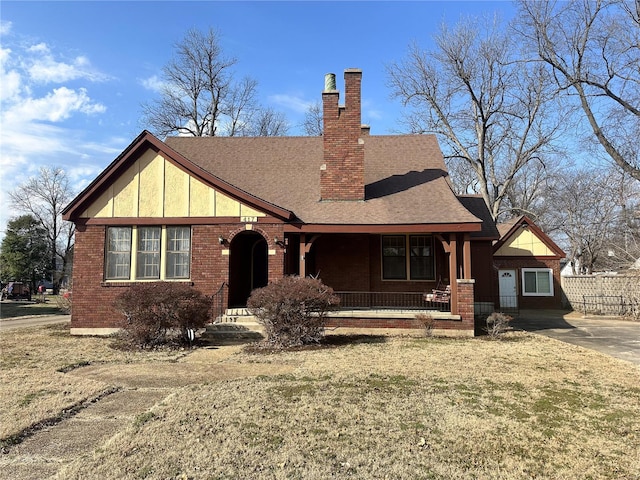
point(524, 243)
point(155, 187)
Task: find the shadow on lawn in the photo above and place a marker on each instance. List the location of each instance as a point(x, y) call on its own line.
point(13, 309)
point(328, 341)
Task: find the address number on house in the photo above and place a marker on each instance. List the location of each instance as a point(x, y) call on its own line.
point(249, 219)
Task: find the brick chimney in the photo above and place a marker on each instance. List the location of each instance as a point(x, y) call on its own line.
point(342, 173)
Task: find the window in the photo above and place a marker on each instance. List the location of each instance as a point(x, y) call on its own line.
point(394, 263)
point(537, 282)
point(161, 253)
point(118, 261)
point(421, 258)
point(148, 255)
point(412, 254)
point(178, 252)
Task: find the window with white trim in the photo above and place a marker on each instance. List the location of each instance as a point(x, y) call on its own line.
point(178, 252)
point(148, 254)
point(118, 253)
point(537, 282)
point(161, 253)
point(407, 257)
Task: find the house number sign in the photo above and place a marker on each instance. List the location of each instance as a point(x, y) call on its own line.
point(248, 219)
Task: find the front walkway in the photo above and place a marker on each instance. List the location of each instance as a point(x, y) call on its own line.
point(611, 336)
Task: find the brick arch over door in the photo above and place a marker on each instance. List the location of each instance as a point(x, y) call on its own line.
point(248, 265)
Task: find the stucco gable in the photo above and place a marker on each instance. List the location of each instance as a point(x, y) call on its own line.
point(522, 238)
point(150, 180)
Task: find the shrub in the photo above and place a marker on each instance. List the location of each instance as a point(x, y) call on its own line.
point(497, 324)
point(425, 322)
point(160, 313)
point(293, 310)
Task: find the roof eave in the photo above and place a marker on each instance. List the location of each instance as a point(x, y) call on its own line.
point(383, 228)
point(72, 211)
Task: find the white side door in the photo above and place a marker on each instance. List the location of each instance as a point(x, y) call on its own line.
point(507, 283)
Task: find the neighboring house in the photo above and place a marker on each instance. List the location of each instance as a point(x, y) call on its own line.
point(528, 265)
point(373, 216)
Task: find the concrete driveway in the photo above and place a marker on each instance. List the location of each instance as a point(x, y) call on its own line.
point(614, 337)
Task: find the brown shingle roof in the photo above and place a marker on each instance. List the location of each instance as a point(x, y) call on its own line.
point(475, 204)
point(405, 177)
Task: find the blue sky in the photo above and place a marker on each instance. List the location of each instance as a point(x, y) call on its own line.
point(74, 74)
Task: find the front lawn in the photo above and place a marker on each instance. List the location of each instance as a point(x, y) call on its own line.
point(373, 407)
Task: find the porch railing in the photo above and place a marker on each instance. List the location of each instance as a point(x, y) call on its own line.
point(486, 305)
point(219, 302)
point(389, 301)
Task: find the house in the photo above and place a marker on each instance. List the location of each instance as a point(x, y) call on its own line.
point(528, 266)
point(373, 216)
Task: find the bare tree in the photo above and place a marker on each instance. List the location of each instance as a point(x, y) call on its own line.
point(594, 212)
point(44, 197)
point(592, 47)
point(527, 194)
point(268, 123)
point(199, 96)
point(491, 111)
point(312, 123)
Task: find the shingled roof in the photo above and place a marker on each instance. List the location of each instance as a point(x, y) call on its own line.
point(406, 181)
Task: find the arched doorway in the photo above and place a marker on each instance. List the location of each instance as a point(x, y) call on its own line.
point(248, 266)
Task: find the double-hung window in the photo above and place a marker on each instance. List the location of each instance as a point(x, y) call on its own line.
point(178, 252)
point(407, 257)
point(148, 254)
point(537, 282)
point(118, 261)
point(160, 253)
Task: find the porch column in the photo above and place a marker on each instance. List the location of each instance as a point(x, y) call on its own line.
point(466, 257)
point(453, 273)
point(303, 244)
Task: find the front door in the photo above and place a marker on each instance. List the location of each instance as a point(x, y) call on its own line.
point(248, 266)
point(508, 289)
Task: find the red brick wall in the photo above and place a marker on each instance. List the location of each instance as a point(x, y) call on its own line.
point(93, 297)
point(518, 263)
point(342, 261)
point(465, 304)
point(343, 176)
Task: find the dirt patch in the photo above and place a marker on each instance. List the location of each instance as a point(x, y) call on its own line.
point(174, 375)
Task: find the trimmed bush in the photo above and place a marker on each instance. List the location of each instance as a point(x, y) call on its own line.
point(497, 324)
point(293, 310)
point(160, 313)
point(425, 322)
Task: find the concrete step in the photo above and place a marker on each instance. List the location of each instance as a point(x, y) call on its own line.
point(233, 332)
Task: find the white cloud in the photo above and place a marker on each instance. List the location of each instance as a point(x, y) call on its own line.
point(153, 83)
point(5, 27)
point(291, 102)
point(55, 106)
point(39, 110)
point(42, 67)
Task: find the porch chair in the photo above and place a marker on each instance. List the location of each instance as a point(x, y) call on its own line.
point(439, 295)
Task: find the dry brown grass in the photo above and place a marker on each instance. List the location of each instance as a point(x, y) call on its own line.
point(34, 385)
point(526, 407)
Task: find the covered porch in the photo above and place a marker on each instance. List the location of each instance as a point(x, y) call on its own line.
point(385, 275)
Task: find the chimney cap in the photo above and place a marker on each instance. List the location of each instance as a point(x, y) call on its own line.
point(330, 82)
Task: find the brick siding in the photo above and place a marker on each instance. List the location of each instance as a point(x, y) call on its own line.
point(93, 297)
